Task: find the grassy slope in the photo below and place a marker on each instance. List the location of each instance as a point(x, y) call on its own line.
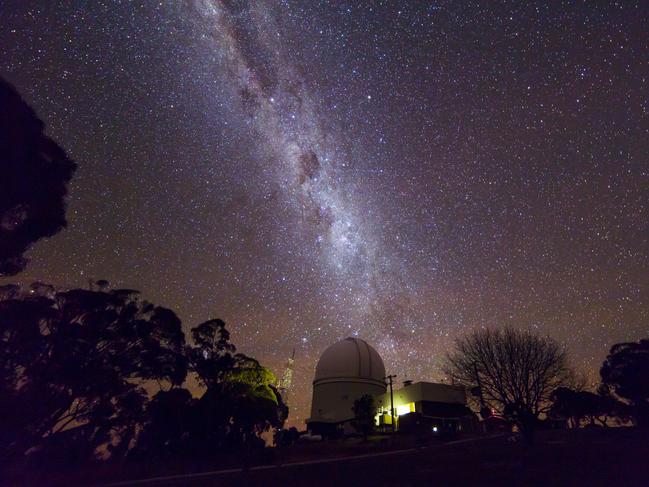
point(607, 457)
point(615, 457)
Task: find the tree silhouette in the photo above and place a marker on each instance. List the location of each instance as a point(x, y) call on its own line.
point(213, 357)
point(239, 403)
point(73, 366)
point(170, 418)
point(34, 174)
point(85, 371)
point(516, 372)
point(286, 437)
point(576, 406)
point(237, 386)
point(364, 411)
point(626, 372)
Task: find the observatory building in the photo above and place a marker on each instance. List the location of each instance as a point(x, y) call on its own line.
point(346, 371)
point(351, 368)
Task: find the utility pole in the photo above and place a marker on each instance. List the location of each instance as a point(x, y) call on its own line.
point(390, 377)
point(477, 375)
point(485, 412)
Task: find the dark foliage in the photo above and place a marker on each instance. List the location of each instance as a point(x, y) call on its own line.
point(239, 403)
point(168, 418)
point(76, 367)
point(34, 174)
point(286, 437)
point(364, 411)
point(514, 372)
point(578, 406)
point(626, 372)
point(213, 357)
point(72, 366)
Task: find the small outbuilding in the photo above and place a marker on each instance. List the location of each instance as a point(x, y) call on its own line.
point(441, 408)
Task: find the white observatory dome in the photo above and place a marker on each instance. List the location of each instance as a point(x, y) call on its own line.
point(346, 371)
point(351, 358)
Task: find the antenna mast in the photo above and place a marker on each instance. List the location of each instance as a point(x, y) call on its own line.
point(284, 384)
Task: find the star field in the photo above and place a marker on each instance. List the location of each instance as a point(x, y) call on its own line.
point(400, 171)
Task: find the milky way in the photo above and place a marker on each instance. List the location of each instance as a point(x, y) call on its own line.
point(307, 159)
point(400, 171)
point(304, 157)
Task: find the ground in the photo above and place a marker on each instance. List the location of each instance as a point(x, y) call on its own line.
point(612, 457)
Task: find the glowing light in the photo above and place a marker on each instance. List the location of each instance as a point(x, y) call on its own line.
point(405, 409)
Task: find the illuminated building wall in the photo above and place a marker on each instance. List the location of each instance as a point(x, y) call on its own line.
point(439, 401)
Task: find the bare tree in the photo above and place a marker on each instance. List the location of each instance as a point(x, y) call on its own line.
point(514, 372)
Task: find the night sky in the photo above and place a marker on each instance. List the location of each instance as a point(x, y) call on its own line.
point(404, 172)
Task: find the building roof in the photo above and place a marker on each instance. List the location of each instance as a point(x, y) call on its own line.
point(444, 410)
point(351, 358)
point(426, 391)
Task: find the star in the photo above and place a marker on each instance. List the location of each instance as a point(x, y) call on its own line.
point(228, 168)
